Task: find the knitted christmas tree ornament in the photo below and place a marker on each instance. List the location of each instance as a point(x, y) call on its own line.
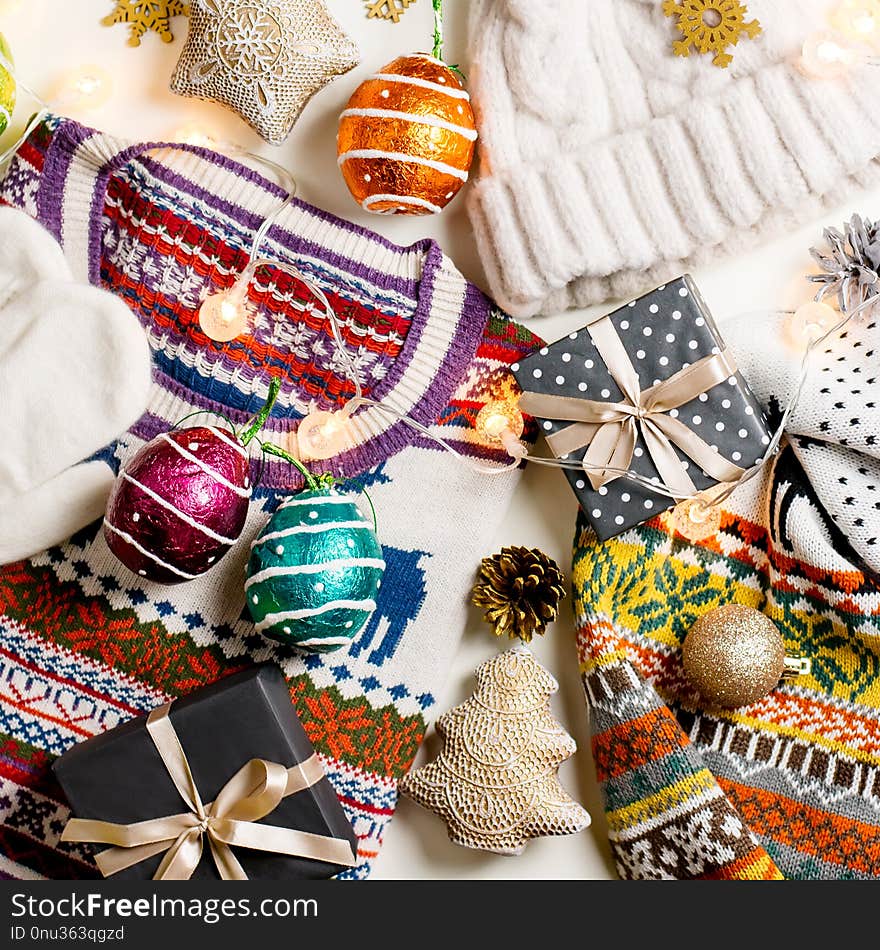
point(86, 642)
point(495, 783)
point(789, 785)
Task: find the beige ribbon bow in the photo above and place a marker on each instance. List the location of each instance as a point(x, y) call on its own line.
point(229, 821)
point(610, 429)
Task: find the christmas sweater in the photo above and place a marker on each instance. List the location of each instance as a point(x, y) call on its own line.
point(787, 787)
point(84, 643)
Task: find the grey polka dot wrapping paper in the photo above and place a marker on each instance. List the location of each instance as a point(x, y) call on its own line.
point(662, 332)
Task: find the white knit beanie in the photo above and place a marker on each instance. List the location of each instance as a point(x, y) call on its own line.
point(608, 165)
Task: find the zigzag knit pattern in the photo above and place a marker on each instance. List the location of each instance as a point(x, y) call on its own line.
point(84, 644)
point(787, 787)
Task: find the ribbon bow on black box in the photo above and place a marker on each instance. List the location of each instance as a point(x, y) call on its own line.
point(229, 767)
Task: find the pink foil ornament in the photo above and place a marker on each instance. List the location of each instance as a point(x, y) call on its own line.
point(180, 504)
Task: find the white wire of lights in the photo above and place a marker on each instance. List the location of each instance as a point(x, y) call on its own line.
point(323, 434)
point(854, 40)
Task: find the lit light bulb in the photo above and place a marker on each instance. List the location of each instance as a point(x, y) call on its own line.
point(82, 89)
point(696, 519)
point(192, 134)
point(225, 315)
point(826, 56)
point(323, 435)
point(501, 423)
point(859, 20)
point(810, 322)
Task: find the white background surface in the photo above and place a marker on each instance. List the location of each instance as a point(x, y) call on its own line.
point(49, 37)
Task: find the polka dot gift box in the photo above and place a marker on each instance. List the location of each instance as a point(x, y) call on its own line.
point(649, 389)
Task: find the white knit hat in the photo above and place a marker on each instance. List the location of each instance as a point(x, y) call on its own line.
point(608, 165)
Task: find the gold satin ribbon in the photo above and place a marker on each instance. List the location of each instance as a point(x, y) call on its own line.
point(610, 430)
point(229, 821)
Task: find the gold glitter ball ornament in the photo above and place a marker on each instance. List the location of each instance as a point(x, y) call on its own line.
point(710, 26)
point(520, 590)
point(734, 655)
point(264, 59)
point(495, 782)
point(406, 138)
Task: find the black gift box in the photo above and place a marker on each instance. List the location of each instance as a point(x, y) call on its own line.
point(665, 330)
point(119, 777)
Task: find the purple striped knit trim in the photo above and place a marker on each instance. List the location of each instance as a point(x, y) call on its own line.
point(474, 316)
point(459, 347)
point(289, 239)
point(254, 177)
point(465, 337)
point(59, 156)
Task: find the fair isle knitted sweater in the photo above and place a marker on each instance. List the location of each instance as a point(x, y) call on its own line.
point(84, 644)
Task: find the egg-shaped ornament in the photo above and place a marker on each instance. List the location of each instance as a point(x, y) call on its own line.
point(181, 502)
point(7, 85)
point(406, 139)
point(314, 572)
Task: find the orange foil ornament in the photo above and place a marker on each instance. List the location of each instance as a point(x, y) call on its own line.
point(406, 138)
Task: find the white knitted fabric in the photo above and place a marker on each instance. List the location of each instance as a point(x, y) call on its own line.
point(74, 374)
point(834, 431)
point(608, 165)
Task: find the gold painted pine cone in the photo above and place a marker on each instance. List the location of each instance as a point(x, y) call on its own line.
point(519, 590)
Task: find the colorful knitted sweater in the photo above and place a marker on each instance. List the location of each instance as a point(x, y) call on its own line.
point(84, 644)
point(787, 787)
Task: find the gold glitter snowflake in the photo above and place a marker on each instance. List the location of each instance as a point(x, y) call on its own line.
point(710, 26)
point(143, 15)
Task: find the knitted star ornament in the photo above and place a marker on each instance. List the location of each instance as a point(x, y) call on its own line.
point(264, 59)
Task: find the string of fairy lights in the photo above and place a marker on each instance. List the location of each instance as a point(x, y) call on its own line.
point(852, 40)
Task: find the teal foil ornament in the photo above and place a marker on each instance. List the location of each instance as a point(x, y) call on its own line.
point(314, 571)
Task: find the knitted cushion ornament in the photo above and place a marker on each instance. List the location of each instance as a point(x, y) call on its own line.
point(789, 786)
point(87, 643)
point(608, 164)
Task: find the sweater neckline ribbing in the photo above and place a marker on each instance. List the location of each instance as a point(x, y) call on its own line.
point(446, 325)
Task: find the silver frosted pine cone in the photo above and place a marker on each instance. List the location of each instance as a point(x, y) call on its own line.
point(851, 262)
